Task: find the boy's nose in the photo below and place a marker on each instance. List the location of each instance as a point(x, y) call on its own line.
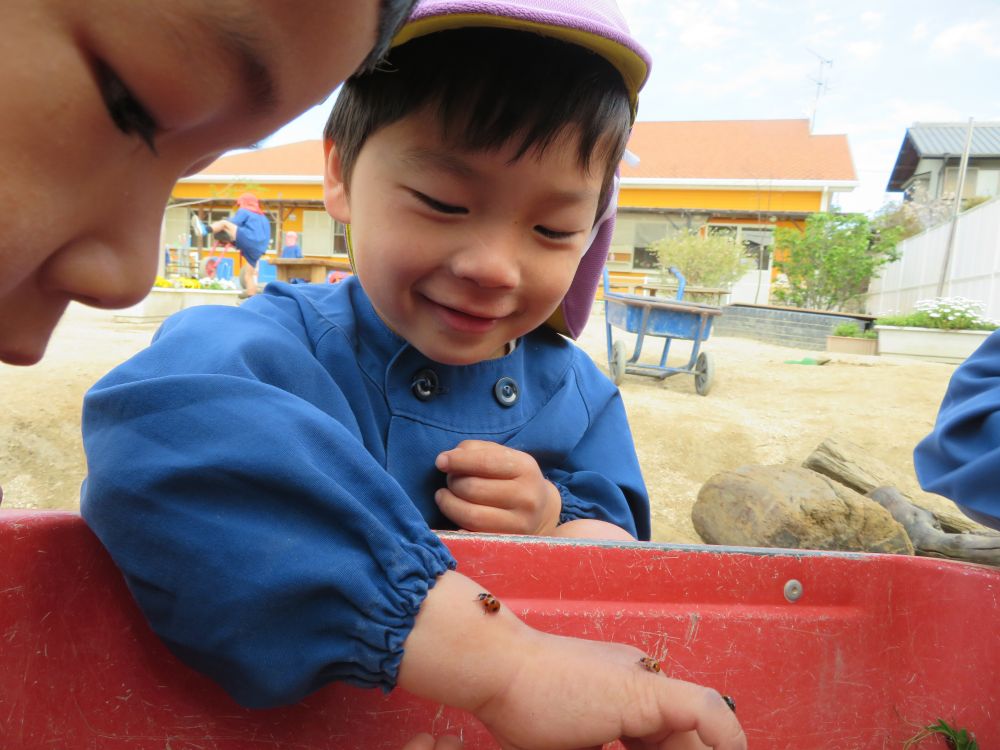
point(111, 269)
point(490, 260)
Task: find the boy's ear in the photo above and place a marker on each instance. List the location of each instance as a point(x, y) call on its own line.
point(334, 188)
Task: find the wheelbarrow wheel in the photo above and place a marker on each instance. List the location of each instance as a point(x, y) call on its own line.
point(704, 372)
point(617, 364)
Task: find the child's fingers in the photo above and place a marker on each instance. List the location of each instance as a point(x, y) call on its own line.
point(684, 704)
point(475, 517)
point(483, 459)
point(496, 493)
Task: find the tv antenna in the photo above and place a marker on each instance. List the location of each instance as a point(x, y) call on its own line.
point(822, 85)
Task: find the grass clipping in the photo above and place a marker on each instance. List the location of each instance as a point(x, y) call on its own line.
point(955, 739)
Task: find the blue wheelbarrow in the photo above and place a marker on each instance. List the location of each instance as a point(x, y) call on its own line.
point(662, 318)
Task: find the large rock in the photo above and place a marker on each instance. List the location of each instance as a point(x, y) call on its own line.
point(789, 506)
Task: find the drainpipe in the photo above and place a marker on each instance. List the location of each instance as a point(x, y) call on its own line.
point(963, 166)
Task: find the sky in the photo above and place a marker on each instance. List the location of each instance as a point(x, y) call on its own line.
point(865, 69)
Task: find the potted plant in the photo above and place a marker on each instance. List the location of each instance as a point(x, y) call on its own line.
point(848, 338)
point(946, 329)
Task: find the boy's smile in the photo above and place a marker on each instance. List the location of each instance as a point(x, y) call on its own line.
point(462, 252)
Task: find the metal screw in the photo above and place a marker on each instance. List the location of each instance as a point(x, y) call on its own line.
point(793, 590)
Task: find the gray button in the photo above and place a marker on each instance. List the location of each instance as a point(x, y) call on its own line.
point(425, 384)
point(506, 392)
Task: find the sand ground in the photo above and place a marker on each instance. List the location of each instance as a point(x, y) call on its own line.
point(760, 410)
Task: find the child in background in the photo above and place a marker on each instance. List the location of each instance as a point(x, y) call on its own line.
point(960, 459)
point(291, 248)
point(424, 392)
point(249, 230)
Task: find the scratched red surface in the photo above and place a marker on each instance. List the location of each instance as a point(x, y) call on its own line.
point(875, 646)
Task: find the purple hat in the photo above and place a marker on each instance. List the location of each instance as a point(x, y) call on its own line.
point(597, 25)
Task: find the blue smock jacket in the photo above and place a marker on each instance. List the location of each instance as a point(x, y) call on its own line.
point(960, 459)
point(264, 477)
point(253, 233)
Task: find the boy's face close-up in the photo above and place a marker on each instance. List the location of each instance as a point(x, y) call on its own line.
point(107, 103)
point(462, 252)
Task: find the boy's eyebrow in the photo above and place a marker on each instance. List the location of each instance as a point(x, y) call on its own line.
point(441, 161)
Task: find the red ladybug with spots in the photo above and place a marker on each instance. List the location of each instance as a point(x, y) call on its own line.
point(490, 603)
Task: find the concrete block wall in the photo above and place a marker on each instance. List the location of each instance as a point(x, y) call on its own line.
point(794, 328)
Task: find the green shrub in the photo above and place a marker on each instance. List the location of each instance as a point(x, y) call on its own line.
point(712, 261)
point(828, 265)
point(851, 330)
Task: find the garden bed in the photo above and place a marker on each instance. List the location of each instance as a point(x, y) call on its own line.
point(930, 344)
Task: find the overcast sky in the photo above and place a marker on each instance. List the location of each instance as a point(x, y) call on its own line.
point(891, 64)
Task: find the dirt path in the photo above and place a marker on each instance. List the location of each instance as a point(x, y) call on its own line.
point(761, 410)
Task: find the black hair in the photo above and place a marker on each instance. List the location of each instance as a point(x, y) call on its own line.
point(491, 87)
point(392, 14)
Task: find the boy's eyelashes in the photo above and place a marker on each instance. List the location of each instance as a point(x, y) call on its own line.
point(127, 113)
point(553, 234)
point(437, 205)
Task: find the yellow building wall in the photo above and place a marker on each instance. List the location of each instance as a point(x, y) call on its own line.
point(264, 191)
point(722, 200)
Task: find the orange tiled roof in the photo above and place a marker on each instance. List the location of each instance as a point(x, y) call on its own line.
point(711, 149)
point(300, 158)
point(738, 150)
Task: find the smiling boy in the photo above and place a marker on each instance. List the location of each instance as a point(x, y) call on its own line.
point(425, 392)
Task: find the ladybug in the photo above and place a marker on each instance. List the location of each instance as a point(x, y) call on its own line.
point(490, 603)
point(649, 664)
point(730, 702)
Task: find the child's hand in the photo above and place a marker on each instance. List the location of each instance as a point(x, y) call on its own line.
point(596, 692)
point(548, 692)
point(495, 488)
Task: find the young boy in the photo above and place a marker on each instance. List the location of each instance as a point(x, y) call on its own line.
point(424, 393)
point(114, 101)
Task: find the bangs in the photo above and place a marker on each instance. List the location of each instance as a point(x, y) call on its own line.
point(492, 89)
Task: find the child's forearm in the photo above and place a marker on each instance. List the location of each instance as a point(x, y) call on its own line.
point(459, 651)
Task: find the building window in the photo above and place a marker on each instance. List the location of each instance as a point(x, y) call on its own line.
point(950, 183)
point(631, 245)
point(757, 242)
point(988, 183)
point(339, 238)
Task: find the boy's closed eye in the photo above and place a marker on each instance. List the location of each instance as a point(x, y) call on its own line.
point(128, 114)
point(451, 210)
point(555, 234)
point(438, 206)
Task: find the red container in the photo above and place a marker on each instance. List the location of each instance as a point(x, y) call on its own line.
point(872, 648)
